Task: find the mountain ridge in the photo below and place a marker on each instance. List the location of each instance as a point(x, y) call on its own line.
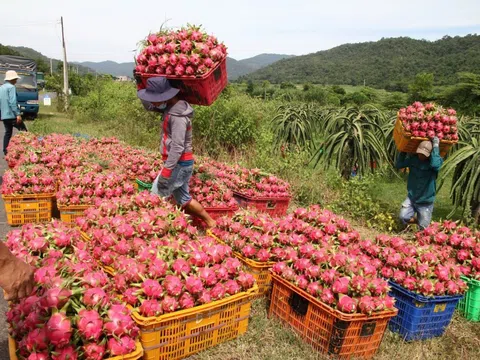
point(381, 63)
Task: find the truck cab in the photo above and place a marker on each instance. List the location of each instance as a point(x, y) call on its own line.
point(27, 89)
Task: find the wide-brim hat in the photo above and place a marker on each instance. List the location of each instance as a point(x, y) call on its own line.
point(11, 75)
point(425, 148)
point(158, 90)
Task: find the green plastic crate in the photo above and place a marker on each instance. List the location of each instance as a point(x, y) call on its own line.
point(469, 306)
point(143, 186)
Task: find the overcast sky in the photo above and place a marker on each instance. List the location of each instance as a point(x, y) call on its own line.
point(98, 30)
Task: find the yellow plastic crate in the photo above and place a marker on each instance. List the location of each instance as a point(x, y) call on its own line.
point(259, 270)
point(186, 332)
point(31, 208)
point(68, 214)
point(137, 354)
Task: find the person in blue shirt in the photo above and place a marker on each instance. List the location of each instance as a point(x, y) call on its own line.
point(421, 186)
point(9, 111)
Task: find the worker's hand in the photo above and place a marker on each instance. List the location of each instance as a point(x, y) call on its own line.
point(162, 185)
point(19, 119)
point(435, 142)
point(17, 279)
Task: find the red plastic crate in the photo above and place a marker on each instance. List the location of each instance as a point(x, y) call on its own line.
point(196, 90)
point(215, 213)
point(275, 207)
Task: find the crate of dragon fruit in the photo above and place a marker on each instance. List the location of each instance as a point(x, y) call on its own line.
point(182, 333)
point(191, 60)
point(135, 355)
point(420, 317)
point(326, 329)
point(275, 206)
point(419, 122)
point(259, 270)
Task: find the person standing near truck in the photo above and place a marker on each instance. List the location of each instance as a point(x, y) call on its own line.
point(175, 145)
point(9, 111)
point(421, 186)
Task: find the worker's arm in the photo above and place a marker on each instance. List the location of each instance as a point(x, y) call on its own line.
point(12, 101)
point(16, 277)
point(403, 160)
point(436, 160)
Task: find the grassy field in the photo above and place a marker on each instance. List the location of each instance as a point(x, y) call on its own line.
point(267, 338)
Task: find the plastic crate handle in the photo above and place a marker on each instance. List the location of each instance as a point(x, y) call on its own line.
point(299, 304)
point(271, 204)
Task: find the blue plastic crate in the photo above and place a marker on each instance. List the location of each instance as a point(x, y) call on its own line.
point(420, 317)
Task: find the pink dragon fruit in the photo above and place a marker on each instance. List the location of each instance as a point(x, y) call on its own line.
point(152, 288)
point(59, 329)
point(94, 351)
point(173, 285)
point(346, 304)
point(121, 346)
point(90, 325)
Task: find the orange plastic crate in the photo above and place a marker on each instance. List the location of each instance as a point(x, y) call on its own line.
point(137, 354)
point(407, 143)
point(183, 333)
point(259, 270)
point(329, 331)
point(68, 214)
point(30, 208)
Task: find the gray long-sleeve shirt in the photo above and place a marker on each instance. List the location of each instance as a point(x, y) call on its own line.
point(176, 138)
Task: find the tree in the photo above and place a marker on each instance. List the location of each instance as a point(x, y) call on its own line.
point(250, 87)
point(352, 136)
point(395, 101)
point(287, 85)
point(421, 89)
point(465, 190)
point(464, 96)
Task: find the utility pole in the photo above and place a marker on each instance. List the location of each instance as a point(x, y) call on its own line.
point(65, 67)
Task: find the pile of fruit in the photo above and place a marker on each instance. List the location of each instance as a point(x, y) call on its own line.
point(73, 312)
point(28, 179)
point(89, 185)
point(183, 53)
point(429, 120)
point(462, 243)
point(260, 237)
point(427, 270)
point(210, 192)
point(248, 182)
point(146, 240)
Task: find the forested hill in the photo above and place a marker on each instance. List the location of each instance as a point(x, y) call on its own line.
point(383, 63)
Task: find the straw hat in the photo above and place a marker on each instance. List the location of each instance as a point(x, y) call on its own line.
point(11, 75)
